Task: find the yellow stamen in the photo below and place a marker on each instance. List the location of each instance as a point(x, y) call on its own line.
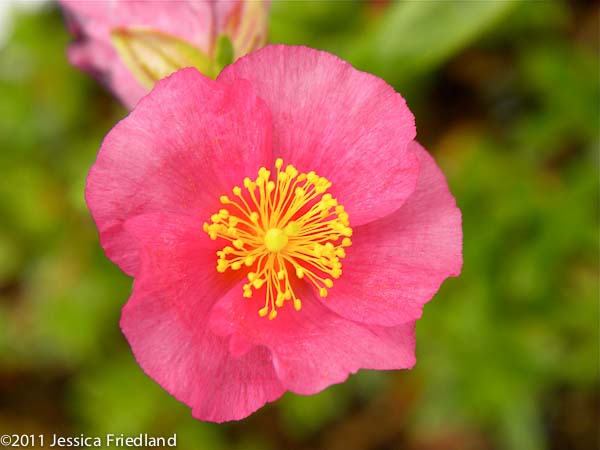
point(279, 228)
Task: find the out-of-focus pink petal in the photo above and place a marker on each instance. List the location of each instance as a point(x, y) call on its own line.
point(245, 22)
point(396, 264)
point(92, 22)
point(187, 143)
point(101, 62)
point(165, 324)
point(189, 20)
point(348, 126)
point(314, 347)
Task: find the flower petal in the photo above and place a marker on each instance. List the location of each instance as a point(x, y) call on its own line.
point(93, 21)
point(165, 324)
point(348, 126)
point(396, 264)
point(245, 22)
point(186, 143)
point(192, 21)
point(314, 347)
point(100, 61)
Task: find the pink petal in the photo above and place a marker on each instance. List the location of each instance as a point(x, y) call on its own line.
point(314, 347)
point(92, 22)
point(102, 62)
point(225, 12)
point(165, 324)
point(189, 20)
point(244, 21)
point(396, 264)
point(346, 125)
point(187, 143)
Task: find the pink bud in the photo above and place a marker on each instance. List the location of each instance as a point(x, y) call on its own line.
point(129, 45)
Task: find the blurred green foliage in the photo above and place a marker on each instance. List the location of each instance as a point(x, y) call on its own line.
point(506, 97)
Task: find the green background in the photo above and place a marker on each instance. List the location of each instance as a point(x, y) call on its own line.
point(506, 97)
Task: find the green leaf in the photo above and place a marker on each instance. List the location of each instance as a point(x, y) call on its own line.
point(413, 37)
point(152, 55)
point(223, 52)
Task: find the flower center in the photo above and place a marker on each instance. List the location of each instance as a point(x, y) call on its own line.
point(275, 239)
point(282, 230)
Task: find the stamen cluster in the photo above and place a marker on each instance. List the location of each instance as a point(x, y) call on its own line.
point(280, 227)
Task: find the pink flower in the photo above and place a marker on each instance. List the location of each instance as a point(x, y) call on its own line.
point(130, 44)
point(283, 228)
